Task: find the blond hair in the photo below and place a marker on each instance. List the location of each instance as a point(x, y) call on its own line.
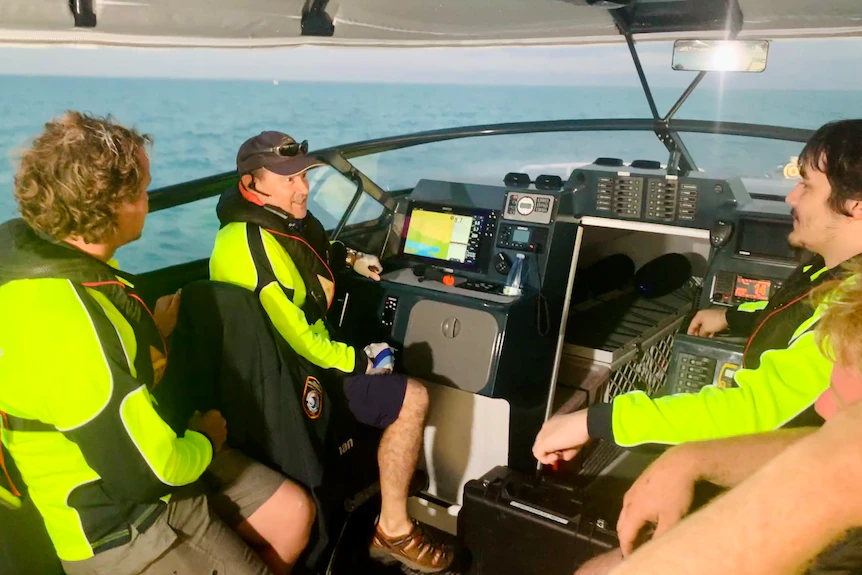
point(77, 173)
point(839, 330)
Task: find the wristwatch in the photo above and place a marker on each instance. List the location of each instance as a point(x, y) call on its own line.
point(352, 256)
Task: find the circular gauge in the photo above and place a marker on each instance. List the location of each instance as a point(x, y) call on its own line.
point(526, 205)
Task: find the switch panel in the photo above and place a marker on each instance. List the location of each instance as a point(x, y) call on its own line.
point(390, 306)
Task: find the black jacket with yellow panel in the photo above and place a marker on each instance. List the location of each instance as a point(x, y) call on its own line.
point(79, 354)
point(286, 411)
point(783, 373)
point(289, 264)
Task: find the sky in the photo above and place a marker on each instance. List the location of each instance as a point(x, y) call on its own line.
point(802, 64)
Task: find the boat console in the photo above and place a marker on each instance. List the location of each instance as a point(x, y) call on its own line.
point(497, 362)
point(474, 233)
point(486, 354)
point(748, 257)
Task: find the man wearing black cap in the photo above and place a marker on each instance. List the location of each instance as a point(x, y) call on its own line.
point(269, 243)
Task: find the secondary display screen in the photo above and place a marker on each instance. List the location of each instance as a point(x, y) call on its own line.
point(521, 235)
point(751, 289)
point(454, 237)
point(767, 239)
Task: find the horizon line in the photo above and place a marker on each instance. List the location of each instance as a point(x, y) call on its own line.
point(388, 82)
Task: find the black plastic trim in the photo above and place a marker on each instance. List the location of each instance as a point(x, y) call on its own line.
point(678, 104)
point(637, 62)
point(680, 16)
point(315, 20)
point(82, 10)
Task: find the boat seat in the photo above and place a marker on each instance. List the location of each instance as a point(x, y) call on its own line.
point(225, 354)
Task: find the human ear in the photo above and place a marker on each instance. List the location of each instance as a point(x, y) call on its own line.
point(854, 209)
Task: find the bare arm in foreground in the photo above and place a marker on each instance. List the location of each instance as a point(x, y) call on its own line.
point(663, 493)
point(777, 520)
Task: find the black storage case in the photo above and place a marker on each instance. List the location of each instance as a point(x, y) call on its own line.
point(514, 523)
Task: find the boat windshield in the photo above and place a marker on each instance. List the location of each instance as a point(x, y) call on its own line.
point(804, 86)
point(486, 160)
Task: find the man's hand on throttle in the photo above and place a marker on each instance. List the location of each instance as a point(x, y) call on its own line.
point(561, 437)
point(211, 424)
point(661, 496)
point(708, 322)
point(369, 266)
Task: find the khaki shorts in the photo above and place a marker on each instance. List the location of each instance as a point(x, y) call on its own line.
point(193, 537)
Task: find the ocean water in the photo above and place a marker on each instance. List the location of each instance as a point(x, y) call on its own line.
point(198, 125)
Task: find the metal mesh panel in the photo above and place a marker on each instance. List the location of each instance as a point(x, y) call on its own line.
point(645, 372)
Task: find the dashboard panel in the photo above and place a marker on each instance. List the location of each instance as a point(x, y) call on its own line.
point(647, 195)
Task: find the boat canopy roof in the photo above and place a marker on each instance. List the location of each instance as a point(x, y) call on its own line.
point(406, 23)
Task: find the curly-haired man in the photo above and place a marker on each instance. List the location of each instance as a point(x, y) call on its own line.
point(116, 486)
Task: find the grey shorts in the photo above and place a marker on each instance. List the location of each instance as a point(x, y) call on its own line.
point(194, 536)
point(238, 485)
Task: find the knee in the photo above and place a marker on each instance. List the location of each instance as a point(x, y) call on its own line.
point(298, 511)
point(306, 514)
point(416, 396)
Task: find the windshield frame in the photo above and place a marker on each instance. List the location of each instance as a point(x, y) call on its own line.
point(339, 156)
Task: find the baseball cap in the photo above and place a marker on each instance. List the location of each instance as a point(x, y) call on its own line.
point(272, 150)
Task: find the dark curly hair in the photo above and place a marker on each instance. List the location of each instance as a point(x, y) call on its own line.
point(77, 173)
point(836, 150)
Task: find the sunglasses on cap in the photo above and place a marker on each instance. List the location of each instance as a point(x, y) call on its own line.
point(288, 149)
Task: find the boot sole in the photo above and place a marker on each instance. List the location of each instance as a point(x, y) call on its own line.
point(388, 558)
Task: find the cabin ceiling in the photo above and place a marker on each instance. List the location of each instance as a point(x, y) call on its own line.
point(260, 23)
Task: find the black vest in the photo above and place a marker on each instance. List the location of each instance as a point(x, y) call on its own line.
point(24, 254)
point(306, 243)
point(281, 409)
point(786, 311)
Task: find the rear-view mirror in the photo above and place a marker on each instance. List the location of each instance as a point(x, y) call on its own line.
point(720, 55)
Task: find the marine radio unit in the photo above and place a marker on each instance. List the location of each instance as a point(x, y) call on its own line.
point(729, 288)
point(754, 263)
